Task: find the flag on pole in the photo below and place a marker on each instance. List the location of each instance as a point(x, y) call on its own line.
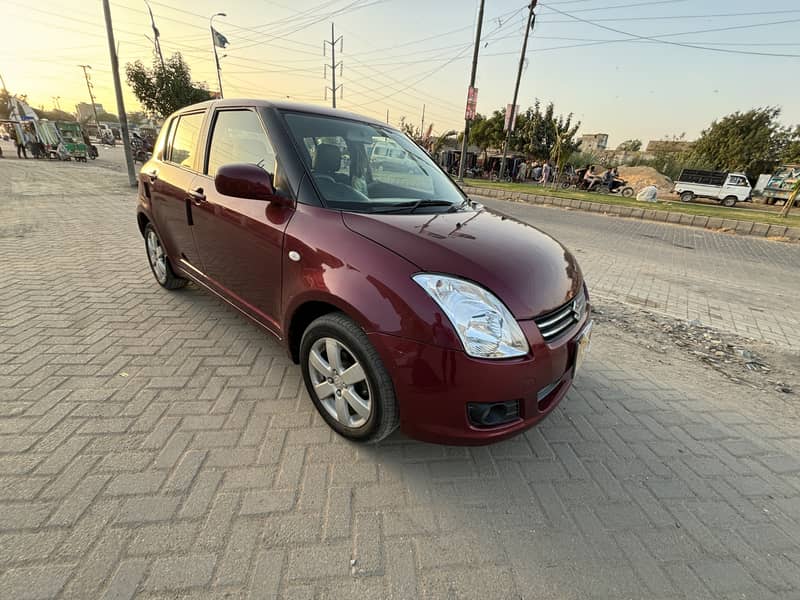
point(219, 40)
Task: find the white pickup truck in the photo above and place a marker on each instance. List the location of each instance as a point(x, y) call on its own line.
point(726, 188)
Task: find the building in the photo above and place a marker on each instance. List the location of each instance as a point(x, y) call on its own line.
point(85, 112)
point(594, 142)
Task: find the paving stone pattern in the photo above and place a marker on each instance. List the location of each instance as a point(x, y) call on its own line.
point(744, 285)
point(158, 445)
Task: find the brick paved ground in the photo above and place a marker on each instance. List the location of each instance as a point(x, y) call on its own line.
point(739, 284)
point(156, 444)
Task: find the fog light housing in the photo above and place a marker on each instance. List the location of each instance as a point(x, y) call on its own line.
point(492, 414)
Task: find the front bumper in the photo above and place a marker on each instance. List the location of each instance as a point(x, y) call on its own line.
point(433, 385)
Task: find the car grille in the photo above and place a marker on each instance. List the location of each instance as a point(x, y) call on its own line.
point(553, 324)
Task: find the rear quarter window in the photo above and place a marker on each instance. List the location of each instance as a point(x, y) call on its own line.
point(182, 141)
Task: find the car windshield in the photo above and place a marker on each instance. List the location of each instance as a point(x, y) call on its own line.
point(362, 167)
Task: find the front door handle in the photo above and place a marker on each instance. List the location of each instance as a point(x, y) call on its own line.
point(152, 175)
point(197, 196)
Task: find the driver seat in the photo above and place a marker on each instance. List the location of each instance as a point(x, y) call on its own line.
point(327, 161)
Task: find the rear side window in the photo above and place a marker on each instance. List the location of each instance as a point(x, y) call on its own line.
point(183, 147)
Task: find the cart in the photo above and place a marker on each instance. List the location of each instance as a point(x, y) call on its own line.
point(72, 146)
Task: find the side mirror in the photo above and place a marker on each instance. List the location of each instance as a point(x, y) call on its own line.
point(243, 180)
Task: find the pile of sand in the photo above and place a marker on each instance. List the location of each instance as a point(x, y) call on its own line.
point(639, 177)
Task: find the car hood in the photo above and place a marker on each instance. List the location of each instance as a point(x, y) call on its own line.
point(527, 269)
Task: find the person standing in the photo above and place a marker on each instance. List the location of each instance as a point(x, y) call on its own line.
point(19, 140)
point(523, 172)
point(546, 172)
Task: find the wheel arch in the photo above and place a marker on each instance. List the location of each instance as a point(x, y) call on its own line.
point(142, 220)
point(303, 315)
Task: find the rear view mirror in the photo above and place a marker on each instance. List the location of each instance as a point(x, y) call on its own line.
point(244, 180)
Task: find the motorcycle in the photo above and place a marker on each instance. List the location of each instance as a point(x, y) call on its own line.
point(139, 150)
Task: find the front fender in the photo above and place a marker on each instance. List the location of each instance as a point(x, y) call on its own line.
point(361, 278)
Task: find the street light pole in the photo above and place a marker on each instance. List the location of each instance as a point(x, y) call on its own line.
point(510, 118)
point(465, 141)
point(214, 46)
point(156, 35)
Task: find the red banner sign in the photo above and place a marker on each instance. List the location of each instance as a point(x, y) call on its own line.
point(472, 103)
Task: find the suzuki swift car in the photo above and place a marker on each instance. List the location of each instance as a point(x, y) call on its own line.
point(404, 302)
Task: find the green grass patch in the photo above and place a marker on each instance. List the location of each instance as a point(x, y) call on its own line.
point(706, 210)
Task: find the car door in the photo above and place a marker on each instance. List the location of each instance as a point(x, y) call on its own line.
point(240, 241)
point(169, 181)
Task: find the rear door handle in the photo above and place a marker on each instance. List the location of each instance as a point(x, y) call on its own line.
point(197, 196)
point(152, 175)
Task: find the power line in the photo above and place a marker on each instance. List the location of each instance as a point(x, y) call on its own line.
point(682, 17)
point(681, 44)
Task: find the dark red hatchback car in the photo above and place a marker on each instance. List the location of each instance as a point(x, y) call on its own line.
point(403, 301)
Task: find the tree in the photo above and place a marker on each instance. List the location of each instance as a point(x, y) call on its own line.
point(5, 109)
point(137, 118)
point(163, 90)
point(538, 132)
point(410, 130)
point(630, 146)
point(107, 116)
point(753, 142)
point(440, 141)
point(487, 133)
point(792, 152)
point(54, 115)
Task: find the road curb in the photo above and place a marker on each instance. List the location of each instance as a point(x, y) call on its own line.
point(750, 228)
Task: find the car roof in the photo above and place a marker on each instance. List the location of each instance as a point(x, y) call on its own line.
point(283, 105)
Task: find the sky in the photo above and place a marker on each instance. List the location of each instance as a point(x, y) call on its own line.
point(645, 69)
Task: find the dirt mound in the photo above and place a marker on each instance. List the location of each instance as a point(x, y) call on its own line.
point(639, 177)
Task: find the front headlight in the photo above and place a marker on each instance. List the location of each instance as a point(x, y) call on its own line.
point(485, 326)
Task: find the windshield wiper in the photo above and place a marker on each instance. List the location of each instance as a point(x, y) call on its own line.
point(410, 207)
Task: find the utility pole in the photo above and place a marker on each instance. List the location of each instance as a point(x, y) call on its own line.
point(334, 40)
point(123, 117)
point(156, 34)
point(422, 124)
point(91, 95)
point(387, 116)
point(512, 117)
point(467, 120)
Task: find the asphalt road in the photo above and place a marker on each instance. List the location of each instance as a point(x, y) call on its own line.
point(734, 283)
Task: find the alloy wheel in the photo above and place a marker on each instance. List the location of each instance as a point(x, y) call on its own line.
point(156, 256)
point(340, 382)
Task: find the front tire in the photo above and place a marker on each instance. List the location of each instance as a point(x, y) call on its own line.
point(347, 381)
point(729, 201)
point(159, 262)
point(627, 192)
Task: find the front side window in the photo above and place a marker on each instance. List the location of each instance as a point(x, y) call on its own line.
point(184, 140)
point(363, 167)
point(238, 137)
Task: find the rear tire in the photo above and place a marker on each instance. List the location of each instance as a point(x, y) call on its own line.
point(363, 408)
point(729, 201)
point(159, 261)
point(687, 196)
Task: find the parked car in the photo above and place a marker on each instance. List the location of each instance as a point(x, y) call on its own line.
point(726, 188)
point(403, 304)
point(390, 157)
